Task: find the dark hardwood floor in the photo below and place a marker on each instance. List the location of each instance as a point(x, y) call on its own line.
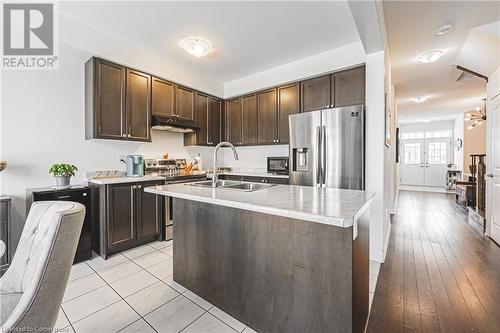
point(440, 275)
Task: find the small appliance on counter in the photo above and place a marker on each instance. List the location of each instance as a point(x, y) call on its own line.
point(277, 165)
point(135, 165)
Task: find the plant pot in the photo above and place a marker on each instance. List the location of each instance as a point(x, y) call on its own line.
point(62, 181)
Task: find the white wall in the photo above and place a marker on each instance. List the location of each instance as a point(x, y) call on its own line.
point(329, 61)
point(375, 148)
point(458, 133)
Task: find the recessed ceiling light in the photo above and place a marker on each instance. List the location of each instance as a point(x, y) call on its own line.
point(196, 46)
point(430, 56)
point(419, 99)
point(444, 29)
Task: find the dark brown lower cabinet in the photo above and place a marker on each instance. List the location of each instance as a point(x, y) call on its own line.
point(120, 222)
point(127, 216)
point(149, 212)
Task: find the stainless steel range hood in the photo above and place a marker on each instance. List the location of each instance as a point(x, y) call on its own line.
point(173, 124)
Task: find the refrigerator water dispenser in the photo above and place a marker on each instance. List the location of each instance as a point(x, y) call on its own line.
point(300, 160)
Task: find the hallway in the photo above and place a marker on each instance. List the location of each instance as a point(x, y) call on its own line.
point(440, 273)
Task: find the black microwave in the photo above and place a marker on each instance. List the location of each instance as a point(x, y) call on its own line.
point(277, 165)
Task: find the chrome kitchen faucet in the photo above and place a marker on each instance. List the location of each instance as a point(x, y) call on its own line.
point(215, 176)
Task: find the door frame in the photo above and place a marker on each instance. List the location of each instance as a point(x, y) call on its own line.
point(492, 111)
point(425, 157)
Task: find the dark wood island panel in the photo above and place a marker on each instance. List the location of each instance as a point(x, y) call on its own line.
point(273, 273)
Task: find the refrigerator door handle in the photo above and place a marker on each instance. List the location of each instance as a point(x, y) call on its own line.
point(323, 155)
point(318, 161)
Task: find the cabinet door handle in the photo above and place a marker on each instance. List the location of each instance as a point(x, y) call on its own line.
point(132, 188)
point(63, 197)
point(490, 175)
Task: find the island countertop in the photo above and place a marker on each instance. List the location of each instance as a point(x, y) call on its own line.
point(330, 206)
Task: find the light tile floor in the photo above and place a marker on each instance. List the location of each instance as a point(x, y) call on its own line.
point(134, 292)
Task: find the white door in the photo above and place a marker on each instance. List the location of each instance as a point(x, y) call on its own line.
point(493, 174)
point(412, 171)
point(437, 156)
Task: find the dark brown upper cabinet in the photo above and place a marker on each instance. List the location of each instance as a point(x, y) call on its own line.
point(138, 107)
point(268, 117)
point(201, 118)
point(214, 121)
point(162, 96)
point(184, 103)
point(117, 102)
point(316, 93)
point(350, 87)
point(288, 104)
point(233, 121)
point(104, 100)
point(249, 120)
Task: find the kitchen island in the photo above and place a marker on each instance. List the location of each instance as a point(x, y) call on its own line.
point(280, 259)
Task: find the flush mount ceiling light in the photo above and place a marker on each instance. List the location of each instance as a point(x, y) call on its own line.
point(419, 99)
point(430, 56)
point(196, 46)
point(444, 29)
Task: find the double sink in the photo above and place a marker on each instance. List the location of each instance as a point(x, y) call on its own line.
point(233, 185)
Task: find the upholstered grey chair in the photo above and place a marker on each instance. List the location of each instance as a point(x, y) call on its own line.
point(32, 288)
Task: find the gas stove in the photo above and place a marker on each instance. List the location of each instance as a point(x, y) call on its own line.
point(172, 170)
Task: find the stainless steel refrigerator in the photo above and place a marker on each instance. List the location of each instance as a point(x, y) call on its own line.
point(327, 148)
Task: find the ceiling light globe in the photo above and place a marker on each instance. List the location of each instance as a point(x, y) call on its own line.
point(430, 56)
point(196, 46)
point(444, 29)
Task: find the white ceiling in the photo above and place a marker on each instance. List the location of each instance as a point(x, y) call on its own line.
point(411, 29)
point(248, 36)
point(481, 50)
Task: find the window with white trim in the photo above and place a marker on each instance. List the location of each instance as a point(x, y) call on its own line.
point(426, 135)
point(413, 153)
point(438, 152)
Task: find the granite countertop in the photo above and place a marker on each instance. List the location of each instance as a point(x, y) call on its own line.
point(322, 205)
point(124, 179)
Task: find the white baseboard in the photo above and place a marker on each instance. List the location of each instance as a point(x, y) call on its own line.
point(393, 211)
point(387, 236)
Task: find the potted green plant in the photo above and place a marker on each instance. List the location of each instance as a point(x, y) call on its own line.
point(63, 172)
